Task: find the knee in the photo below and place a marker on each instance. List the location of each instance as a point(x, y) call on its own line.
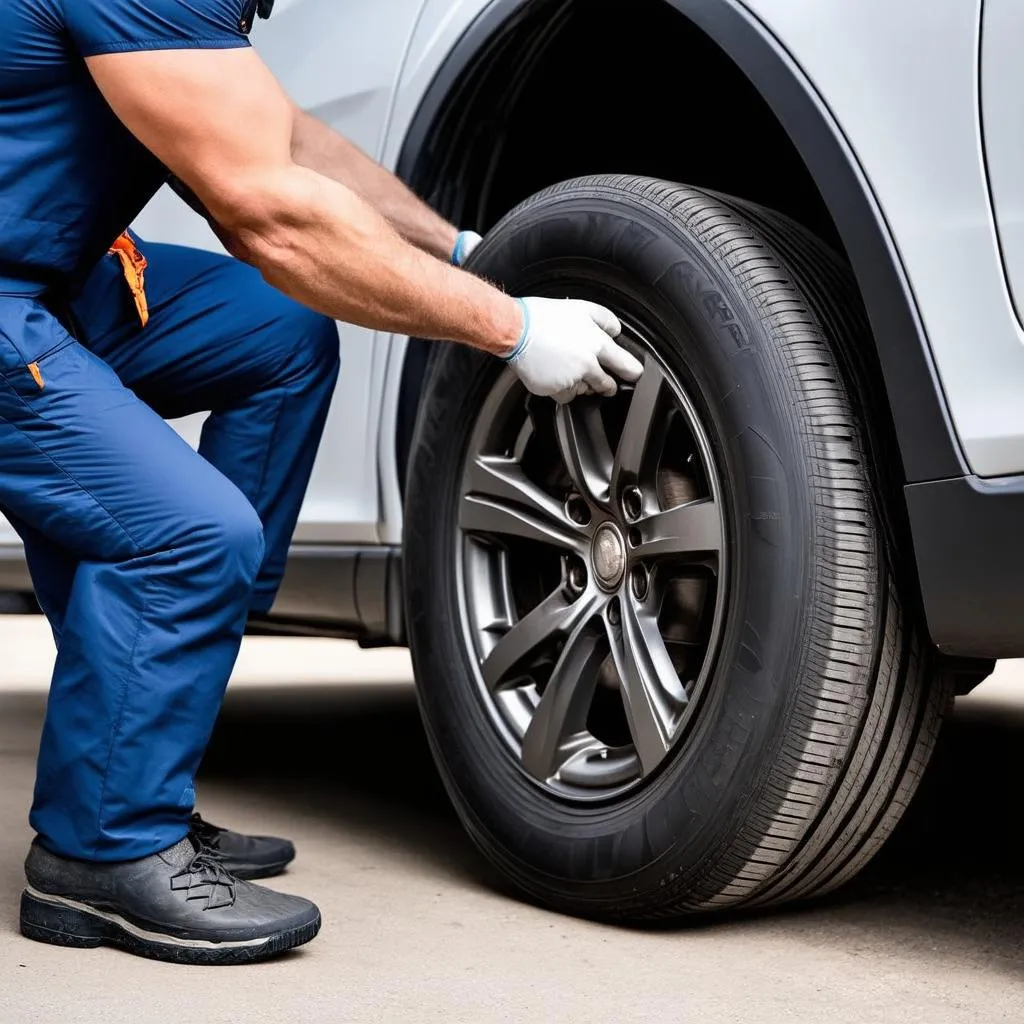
point(324, 348)
point(313, 341)
point(241, 539)
point(231, 543)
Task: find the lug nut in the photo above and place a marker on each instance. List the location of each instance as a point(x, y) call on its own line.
point(577, 578)
point(577, 510)
point(632, 503)
point(613, 613)
point(640, 582)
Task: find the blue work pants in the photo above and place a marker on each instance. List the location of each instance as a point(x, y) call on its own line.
point(147, 556)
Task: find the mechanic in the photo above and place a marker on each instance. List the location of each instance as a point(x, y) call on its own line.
point(147, 557)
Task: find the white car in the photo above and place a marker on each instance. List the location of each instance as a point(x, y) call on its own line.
point(686, 649)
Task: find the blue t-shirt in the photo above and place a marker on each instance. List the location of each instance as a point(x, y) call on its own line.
point(72, 177)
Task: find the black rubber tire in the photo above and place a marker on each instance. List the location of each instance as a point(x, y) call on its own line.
point(825, 702)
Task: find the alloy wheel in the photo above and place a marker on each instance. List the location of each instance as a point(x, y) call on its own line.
point(592, 575)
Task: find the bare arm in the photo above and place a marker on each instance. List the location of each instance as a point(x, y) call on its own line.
point(220, 122)
point(318, 147)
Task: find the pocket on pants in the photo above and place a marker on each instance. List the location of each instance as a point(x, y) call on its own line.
point(30, 337)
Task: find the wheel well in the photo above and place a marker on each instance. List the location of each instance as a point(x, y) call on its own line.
point(597, 92)
point(550, 89)
point(593, 92)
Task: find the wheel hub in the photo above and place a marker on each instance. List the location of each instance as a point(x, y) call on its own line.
point(609, 556)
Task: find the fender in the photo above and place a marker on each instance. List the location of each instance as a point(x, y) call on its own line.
point(927, 442)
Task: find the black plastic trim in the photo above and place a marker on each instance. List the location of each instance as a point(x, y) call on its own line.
point(328, 590)
point(927, 442)
point(481, 30)
point(340, 591)
point(969, 542)
point(17, 595)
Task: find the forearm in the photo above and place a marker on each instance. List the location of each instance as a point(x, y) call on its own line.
point(317, 241)
point(319, 148)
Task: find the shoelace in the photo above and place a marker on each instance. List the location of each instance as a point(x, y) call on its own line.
point(204, 877)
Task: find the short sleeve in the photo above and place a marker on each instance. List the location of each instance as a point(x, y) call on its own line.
point(119, 26)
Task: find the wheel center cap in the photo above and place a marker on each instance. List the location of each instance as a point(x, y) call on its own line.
point(609, 555)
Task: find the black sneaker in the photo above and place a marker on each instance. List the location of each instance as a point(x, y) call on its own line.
point(179, 905)
point(244, 856)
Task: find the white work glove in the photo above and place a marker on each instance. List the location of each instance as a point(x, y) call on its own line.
point(567, 349)
point(464, 245)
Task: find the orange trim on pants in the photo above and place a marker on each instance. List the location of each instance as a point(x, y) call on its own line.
point(133, 263)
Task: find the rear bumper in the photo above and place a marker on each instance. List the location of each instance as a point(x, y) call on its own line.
point(969, 544)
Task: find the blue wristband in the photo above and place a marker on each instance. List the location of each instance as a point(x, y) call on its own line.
point(521, 344)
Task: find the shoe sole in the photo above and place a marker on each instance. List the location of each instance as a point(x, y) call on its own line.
point(60, 921)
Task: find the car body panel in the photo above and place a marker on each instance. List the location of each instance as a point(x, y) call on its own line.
point(441, 24)
point(902, 81)
point(446, 30)
point(318, 51)
point(880, 70)
point(1002, 107)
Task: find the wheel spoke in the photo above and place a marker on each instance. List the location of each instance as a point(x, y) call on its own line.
point(644, 668)
point(583, 442)
point(691, 532)
point(558, 727)
point(644, 421)
point(556, 616)
point(502, 501)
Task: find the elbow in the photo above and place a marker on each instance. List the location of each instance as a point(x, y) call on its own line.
point(259, 222)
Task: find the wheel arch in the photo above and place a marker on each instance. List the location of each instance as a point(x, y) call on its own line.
point(926, 442)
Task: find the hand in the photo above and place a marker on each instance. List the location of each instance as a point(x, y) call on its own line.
point(464, 245)
point(567, 349)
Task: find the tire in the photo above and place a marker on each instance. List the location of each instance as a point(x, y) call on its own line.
point(821, 699)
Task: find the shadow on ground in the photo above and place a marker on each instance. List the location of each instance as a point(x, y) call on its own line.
point(357, 754)
point(951, 880)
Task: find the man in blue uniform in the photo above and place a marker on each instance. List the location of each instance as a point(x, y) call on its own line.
point(147, 557)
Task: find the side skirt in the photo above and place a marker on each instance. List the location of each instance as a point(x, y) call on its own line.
point(352, 593)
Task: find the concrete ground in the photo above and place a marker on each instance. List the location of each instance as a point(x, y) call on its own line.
point(417, 928)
